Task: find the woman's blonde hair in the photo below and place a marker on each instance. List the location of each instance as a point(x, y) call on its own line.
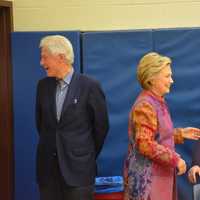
point(150, 65)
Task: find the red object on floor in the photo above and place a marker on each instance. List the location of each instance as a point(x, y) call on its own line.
point(109, 196)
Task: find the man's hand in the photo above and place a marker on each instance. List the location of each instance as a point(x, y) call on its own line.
point(195, 170)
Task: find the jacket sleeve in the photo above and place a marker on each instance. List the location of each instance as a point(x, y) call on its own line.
point(38, 108)
point(178, 136)
point(196, 154)
point(98, 115)
point(145, 122)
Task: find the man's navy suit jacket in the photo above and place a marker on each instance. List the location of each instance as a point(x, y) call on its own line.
point(77, 138)
point(196, 154)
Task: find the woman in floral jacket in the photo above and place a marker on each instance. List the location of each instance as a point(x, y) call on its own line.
point(151, 163)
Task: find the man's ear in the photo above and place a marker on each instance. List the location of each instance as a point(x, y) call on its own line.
point(62, 58)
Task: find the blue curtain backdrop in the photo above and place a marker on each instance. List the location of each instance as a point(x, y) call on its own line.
point(111, 57)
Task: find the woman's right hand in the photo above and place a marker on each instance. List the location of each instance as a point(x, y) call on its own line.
point(181, 166)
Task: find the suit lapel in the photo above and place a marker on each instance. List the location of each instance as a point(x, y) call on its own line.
point(71, 93)
point(52, 96)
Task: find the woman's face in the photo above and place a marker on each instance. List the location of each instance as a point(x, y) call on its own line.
point(162, 81)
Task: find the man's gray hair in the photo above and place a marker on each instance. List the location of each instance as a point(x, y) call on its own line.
point(58, 44)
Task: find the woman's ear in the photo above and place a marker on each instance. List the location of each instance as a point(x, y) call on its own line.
point(149, 83)
point(61, 56)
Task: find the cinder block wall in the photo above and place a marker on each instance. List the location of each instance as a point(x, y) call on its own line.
point(85, 15)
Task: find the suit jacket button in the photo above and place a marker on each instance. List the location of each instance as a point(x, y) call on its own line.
point(55, 154)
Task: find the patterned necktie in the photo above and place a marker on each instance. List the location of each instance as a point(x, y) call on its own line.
point(60, 96)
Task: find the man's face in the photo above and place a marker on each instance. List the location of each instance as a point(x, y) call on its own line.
point(50, 62)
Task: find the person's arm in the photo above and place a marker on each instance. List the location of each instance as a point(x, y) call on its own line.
point(186, 133)
point(38, 109)
point(144, 118)
point(99, 115)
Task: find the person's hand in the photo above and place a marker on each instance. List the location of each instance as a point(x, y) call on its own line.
point(191, 133)
point(195, 170)
point(181, 166)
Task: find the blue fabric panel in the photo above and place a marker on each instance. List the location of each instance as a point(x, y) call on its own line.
point(111, 57)
point(182, 45)
point(109, 184)
point(26, 73)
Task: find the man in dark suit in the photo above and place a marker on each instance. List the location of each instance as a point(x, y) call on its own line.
point(72, 123)
point(194, 172)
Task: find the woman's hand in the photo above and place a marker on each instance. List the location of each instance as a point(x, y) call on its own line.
point(195, 170)
point(191, 133)
point(181, 166)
